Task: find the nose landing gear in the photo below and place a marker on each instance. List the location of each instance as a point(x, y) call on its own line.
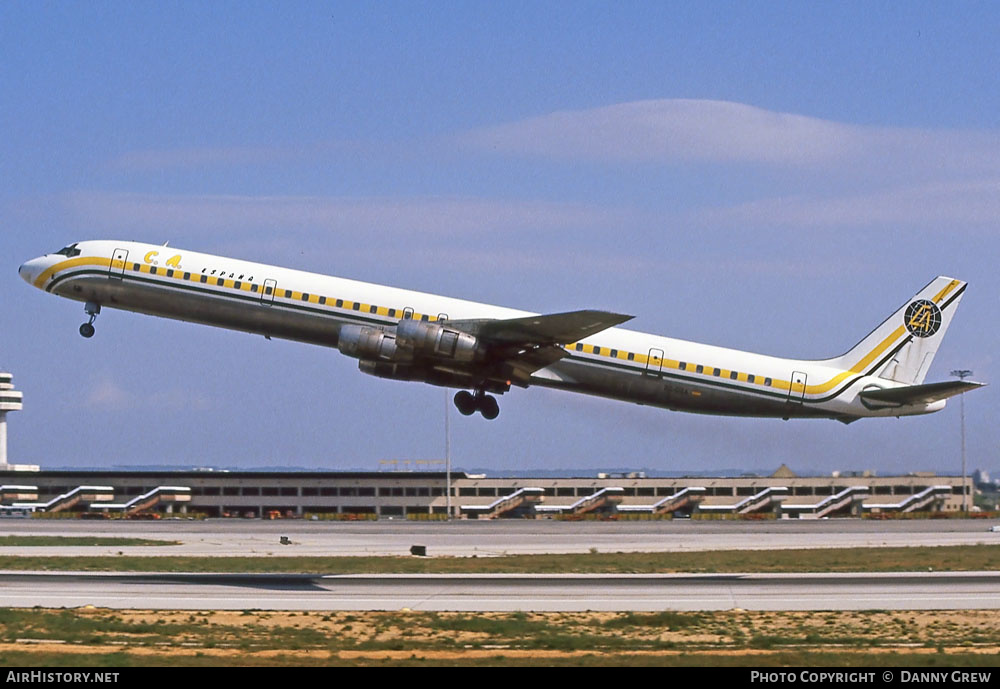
point(469, 404)
point(91, 309)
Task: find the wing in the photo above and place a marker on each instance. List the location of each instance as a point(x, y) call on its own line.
point(520, 346)
point(920, 394)
point(551, 329)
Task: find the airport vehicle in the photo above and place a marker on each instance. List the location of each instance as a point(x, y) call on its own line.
point(485, 350)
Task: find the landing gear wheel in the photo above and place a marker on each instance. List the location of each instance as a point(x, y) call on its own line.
point(488, 407)
point(91, 308)
point(468, 404)
point(465, 402)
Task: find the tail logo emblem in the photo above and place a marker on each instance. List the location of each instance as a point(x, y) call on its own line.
point(922, 318)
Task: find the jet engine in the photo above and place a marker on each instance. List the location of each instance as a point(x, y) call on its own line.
point(435, 341)
point(409, 341)
point(367, 342)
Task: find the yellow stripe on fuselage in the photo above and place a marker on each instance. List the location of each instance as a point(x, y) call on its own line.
point(73, 263)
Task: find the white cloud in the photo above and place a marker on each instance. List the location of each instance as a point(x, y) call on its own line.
point(673, 131)
point(109, 395)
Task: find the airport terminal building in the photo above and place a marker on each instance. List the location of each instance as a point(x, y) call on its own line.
point(424, 495)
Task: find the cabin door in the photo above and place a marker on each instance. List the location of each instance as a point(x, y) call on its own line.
point(118, 261)
point(797, 390)
point(654, 363)
point(267, 292)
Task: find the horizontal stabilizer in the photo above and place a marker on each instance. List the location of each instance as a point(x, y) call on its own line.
point(550, 329)
point(921, 394)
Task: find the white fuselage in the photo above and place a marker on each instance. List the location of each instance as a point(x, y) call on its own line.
point(308, 307)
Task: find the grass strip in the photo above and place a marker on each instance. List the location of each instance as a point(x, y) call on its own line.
point(918, 558)
point(122, 638)
point(59, 541)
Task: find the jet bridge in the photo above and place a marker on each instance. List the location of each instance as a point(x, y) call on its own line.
point(81, 495)
point(848, 500)
point(771, 497)
point(17, 493)
point(603, 498)
point(686, 499)
point(141, 503)
point(521, 498)
point(930, 497)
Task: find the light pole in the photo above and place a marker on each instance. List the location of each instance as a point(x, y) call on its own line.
point(962, 374)
point(447, 454)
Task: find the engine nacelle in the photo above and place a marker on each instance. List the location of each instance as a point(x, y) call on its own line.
point(367, 342)
point(429, 374)
point(409, 341)
point(435, 341)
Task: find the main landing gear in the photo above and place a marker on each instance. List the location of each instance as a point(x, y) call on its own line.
point(469, 404)
point(92, 309)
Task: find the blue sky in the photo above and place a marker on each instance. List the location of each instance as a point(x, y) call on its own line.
point(777, 177)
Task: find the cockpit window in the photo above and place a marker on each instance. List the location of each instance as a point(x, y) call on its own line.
point(70, 250)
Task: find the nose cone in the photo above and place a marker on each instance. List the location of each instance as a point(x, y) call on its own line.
point(30, 270)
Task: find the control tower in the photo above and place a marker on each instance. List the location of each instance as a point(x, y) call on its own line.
point(10, 400)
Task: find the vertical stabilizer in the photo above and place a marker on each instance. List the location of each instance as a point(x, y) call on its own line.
point(902, 348)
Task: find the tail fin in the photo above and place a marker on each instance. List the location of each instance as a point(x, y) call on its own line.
point(902, 348)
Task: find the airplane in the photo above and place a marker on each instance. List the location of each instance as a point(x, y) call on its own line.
point(484, 350)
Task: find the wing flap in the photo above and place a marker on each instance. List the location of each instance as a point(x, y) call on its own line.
point(921, 394)
point(517, 347)
point(542, 330)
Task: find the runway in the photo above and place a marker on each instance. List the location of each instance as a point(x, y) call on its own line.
point(563, 593)
point(228, 537)
point(920, 591)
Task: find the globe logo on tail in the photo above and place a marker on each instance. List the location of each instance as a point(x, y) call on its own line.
point(922, 318)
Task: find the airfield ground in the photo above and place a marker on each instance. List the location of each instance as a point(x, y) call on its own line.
point(121, 638)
